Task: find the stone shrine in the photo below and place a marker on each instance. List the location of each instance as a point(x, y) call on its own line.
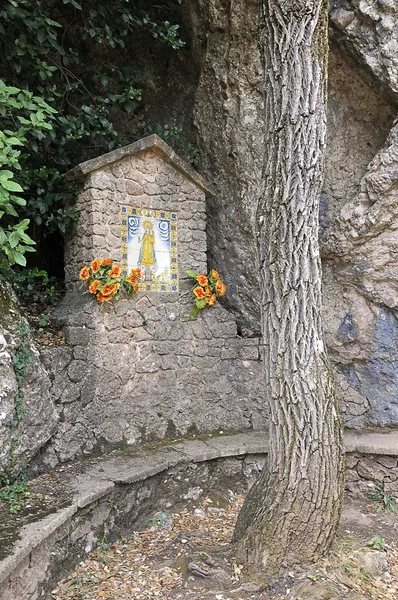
point(139, 369)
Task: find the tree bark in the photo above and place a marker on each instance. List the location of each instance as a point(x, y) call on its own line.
point(292, 512)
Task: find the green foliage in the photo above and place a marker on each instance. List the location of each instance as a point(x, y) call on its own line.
point(193, 154)
point(377, 543)
point(174, 137)
point(383, 500)
point(14, 492)
point(33, 285)
point(318, 575)
point(24, 118)
point(13, 488)
point(44, 320)
point(73, 63)
point(171, 135)
point(103, 545)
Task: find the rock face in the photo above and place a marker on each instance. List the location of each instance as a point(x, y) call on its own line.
point(27, 414)
point(357, 210)
point(360, 245)
point(229, 118)
point(368, 31)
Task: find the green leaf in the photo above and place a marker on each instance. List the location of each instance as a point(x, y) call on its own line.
point(20, 259)
point(13, 141)
point(194, 313)
point(19, 200)
point(10, 210)
point(22, 225)
point(191, 273)
point(26, 238)
point(10, 254)
point(200, 304)
point(5, 175)
point(11, 186)
point(11, 90)
point(14, 239)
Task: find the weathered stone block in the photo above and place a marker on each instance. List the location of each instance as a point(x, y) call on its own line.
point(77, 336)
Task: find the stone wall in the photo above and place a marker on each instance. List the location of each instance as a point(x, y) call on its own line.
point(364, 472)
point(115, 499)
point(140, 369)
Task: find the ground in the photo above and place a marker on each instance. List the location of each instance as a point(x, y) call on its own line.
point(186, 556)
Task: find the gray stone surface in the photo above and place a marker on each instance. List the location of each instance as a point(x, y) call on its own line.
point(32, 536)
point(21, 439)
point(153, 143)
point(368, 29)
point(376, 563)
point(229, 117)
point(361, 290)
point(359, 237)
point(370, 442)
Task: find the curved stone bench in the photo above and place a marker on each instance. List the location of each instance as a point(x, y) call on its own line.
point(119, 493)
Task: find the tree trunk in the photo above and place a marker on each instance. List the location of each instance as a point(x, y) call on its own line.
point(292, 512)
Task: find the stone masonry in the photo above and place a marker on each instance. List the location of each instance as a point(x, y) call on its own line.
point(140, 369)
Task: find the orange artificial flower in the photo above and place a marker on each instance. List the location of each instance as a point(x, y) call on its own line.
point(136, 273)
point(109, 289)
point(221, 288)
point(102, 298)
point(201, 279)
point(115, 272)
point(106, 261)
point(84, 274)
point(95, 265)
point(93, 287)
point(208, 290)
point(199, 293)
point(131, 279)
point(210, 301)
point(135, 287)
point(214, 274)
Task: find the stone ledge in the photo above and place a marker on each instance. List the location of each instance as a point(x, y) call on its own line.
point(33, 535)
point(114, 474)
point(372, 441)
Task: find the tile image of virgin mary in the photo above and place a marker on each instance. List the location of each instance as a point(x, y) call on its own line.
point(147, 255)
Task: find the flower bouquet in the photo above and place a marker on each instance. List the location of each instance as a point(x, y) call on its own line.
point(105, 280)
point(207, 289)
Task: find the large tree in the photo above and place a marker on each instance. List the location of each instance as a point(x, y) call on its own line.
point(292, 512)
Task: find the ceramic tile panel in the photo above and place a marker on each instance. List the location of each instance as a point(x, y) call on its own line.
point(149, 242)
